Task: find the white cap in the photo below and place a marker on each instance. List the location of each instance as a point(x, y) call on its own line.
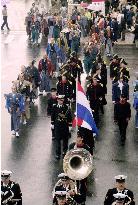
point(61, 193)
point(120, 177)
point(6, 173)
point(60, 96)
point(63, 176)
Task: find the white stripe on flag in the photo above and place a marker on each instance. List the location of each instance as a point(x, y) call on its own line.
point(86, 125)
point(82, 100)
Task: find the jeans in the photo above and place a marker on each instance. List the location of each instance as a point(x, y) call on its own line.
point(15, 121)
point(109, 48)
point(5, 23)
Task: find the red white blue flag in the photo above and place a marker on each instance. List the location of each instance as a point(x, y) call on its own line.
point(84, 114)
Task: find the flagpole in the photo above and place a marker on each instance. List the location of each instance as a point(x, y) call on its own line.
point(76, 104)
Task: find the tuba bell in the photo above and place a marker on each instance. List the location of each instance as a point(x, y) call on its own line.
point(77, 163)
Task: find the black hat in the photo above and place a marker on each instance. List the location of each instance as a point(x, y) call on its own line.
point(33, 62)
point(115, 56)
point(123, 61)
point(123, 96)
point(4, 6)
point(53, 89)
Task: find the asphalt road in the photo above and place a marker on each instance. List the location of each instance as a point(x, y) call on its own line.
point(31, 157)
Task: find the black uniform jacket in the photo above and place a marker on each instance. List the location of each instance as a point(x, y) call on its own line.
point(51, 102)
point(61, 118)
point(13, 191)
point(109, 199)
point(122, 111)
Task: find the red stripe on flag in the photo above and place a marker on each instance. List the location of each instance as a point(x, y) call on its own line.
point(80, 88)
point(79, 122)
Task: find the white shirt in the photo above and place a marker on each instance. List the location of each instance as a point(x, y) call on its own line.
point(120, 86)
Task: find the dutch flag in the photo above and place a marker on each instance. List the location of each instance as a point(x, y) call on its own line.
point(83, 112)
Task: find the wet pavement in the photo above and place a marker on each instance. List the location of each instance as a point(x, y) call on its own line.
point(31, 157)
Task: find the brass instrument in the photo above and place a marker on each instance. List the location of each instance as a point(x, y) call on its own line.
point(77, 163)
point(126, 203)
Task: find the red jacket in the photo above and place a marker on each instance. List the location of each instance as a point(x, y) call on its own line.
point(49, 66)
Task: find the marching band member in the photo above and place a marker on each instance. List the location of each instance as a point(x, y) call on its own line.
point(61, 121)
point(10, 191)
point(120, 188)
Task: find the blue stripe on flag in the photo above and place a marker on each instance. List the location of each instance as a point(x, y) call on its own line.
point(84, 114)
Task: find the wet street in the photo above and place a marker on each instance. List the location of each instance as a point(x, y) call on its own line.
point(31, 157)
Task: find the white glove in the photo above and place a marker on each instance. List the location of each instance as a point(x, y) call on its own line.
point(113, 102)
point(52, 126)
point(70, 128)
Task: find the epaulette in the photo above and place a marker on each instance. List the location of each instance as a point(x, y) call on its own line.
point(101, 84)
point(104, 62)
point(115, 68)
point(127, 69)
point(70, 82)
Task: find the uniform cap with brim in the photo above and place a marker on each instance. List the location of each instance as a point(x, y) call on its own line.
point(120, 178)
point(119, 197)
point(115, 56)
point(63, 176)
point(5, 173)
point(60, 96)
point(60, 193)
point(123, 61)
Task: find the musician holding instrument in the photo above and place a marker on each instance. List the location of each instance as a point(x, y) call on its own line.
point(67, 184)
point(120, 199)
point(61, 121)
point(70, 186)
point(120, 188)
point(10, 191)
point(60, 197)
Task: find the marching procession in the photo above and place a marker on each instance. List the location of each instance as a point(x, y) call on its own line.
point(79, 45)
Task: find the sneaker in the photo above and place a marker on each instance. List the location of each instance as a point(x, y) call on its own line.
point(17, 134)
point(13, 132)
point(24, 122)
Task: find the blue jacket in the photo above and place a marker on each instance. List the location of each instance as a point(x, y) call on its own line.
point(135, 104)
point(14, 102)
point(116, 92)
